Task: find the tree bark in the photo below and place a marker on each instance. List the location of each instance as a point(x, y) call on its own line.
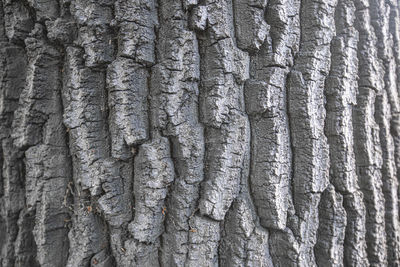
point(199, 133)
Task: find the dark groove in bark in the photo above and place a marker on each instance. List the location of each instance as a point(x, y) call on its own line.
point(335, 234)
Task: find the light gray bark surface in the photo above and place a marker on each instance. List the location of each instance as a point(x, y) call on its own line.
point(199, 133)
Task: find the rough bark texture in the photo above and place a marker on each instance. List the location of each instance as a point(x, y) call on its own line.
point(199, 133)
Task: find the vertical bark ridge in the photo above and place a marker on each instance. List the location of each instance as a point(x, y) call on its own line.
point(341, 241)
point(175, 93)
point(387, 103)
point(15, 25)
point(153, 172)
point(244, 242)
point(128, 88)
point(12, 81)
point(86, 29)
point(48, 166)
point(331, 230)
point(266, 105)
point(37, 128)
point(390, 182)
point(83, 95)
point(306, 116)
point(394, 24)
point(223, 70)
point(94, 30)
point(366, 136)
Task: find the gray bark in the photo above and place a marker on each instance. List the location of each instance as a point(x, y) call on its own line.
point(199, 133)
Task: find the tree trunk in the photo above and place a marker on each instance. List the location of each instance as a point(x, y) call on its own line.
point(199, 133)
